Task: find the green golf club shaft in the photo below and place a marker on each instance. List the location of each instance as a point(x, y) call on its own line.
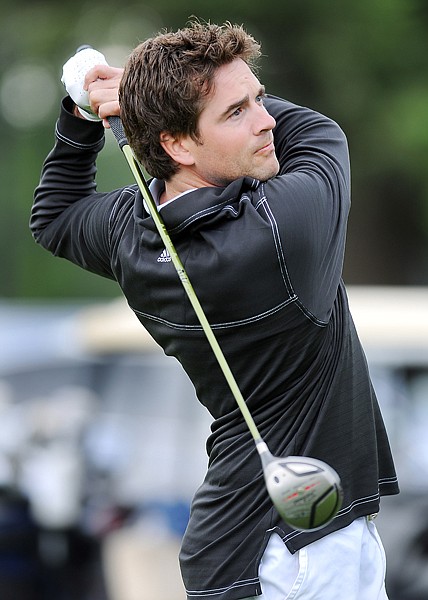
point(151, 205)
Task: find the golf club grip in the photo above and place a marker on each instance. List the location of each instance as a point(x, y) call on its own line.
point(117, 129)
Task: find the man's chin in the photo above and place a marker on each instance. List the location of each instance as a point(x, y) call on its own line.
point(266, 174)
point(261, 174)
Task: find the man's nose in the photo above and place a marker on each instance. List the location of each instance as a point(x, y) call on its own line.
point(265, 121)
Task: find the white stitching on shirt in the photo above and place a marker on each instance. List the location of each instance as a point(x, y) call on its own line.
point(226, 325)
point(216, 591)
point(73, 143)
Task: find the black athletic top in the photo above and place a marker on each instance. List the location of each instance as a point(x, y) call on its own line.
point(265, 260)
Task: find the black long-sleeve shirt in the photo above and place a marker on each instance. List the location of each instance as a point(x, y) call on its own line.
point(265, 259)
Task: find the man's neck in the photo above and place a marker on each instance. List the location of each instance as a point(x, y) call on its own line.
point(171, 191)
point(179, 184)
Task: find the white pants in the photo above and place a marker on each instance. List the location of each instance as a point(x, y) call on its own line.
point(349, 563)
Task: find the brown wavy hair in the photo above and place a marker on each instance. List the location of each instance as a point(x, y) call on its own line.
point(166, 81)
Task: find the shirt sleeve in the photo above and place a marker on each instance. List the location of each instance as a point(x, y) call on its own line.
point(310, 201)
point(69, 217)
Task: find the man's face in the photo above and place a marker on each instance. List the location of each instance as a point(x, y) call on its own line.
point(235, 130)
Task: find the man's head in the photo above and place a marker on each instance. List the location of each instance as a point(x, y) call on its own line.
point(172, 79)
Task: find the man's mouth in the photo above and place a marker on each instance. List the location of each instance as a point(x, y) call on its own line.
point(269, 147)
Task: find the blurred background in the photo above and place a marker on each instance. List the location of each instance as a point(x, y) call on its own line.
point(101, 438)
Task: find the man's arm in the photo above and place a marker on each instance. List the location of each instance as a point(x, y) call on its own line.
point(310, 199)
point(69, 217)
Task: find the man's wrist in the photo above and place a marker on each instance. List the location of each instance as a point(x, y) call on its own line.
point(76, 112)
point(76, 128)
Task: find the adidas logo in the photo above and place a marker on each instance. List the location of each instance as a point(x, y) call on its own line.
point(164, 257)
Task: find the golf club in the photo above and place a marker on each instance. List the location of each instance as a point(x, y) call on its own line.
point(306, 492)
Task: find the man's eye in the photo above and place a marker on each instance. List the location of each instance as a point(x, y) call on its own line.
point(237, 112)
point(260, 99)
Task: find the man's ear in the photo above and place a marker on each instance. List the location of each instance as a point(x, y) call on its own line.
point(178, 148)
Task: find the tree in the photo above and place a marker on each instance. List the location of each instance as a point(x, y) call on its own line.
point(362, 63)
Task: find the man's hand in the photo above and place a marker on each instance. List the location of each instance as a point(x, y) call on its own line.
point(102, 84)
point(93, 85)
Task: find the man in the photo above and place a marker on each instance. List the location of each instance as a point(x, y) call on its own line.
point(254, 191)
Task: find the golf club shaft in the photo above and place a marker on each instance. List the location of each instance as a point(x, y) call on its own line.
point(306, 492)
point(117, 129)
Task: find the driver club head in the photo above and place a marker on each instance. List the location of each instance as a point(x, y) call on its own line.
point(306, 492)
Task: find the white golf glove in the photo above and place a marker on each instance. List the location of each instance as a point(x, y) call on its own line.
point(73, 78)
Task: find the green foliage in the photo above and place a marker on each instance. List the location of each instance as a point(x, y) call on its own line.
point(363, 63)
